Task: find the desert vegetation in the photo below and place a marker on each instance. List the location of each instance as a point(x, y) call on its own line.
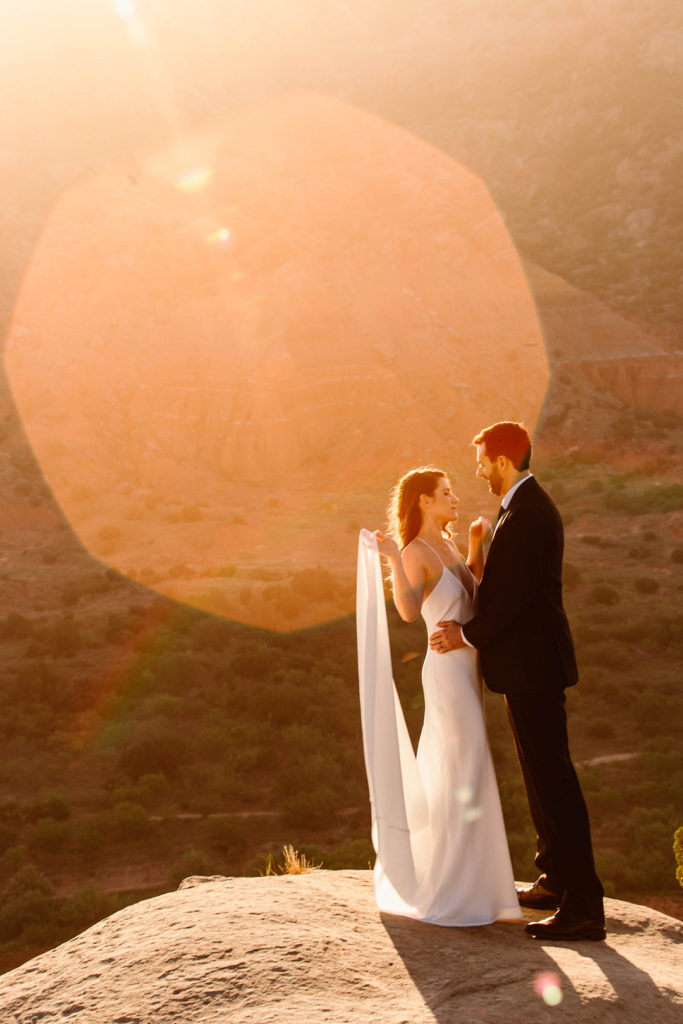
point(145, 741)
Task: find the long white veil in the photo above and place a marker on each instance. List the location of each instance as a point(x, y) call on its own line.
point(397, 797)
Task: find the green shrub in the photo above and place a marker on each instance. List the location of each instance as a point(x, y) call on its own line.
point(571, 575)
point(160, 706)
point(90, 834)
point(175, 672)
point(63, 636)
point(8, 837)
point(644, 498)
point(54, 805)
point(648, 834)
point(678, 853)
point(192, 862)
point(130, 820)
point(254, 662)
point(665, 631)
point(646, 585)
point(71, 595)
point(147, 790)
point(28, 899)
point(86, 906)
point(600, 727)
point(606, 799)
point(16, 627)
point(40, 685)
point(314, 584)
point(16, 856)
point(227, 834)
point(615, 872)
point(310, 809)
point(603, 594)
point(153, 748)
point(48, 834)
point(212, 634)
point(605, 654)
point(522, 852)
point(641, 553)
point(207, 786)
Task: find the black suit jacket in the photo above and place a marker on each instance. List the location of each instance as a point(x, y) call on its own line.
point(520, 627)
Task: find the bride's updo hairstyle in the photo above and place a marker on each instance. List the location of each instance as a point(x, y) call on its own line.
point(405, 517)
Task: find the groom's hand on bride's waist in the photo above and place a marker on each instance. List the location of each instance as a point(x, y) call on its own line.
point(447, 637)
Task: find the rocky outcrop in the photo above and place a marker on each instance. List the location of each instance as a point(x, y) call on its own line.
point(313, 948)
point(591, 341)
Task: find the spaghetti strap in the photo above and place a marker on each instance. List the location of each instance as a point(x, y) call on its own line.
point(467, 582)
point(433, 550)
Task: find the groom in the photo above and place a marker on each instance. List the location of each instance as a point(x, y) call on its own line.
point(521, 632)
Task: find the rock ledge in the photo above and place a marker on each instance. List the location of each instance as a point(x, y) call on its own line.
point(313, 948)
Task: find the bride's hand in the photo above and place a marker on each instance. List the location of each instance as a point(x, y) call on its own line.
point(387, 546)
point(480, 529)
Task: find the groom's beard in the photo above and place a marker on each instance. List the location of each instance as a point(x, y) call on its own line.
point(495, 481)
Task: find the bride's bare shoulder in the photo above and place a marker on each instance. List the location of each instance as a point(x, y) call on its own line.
point(415, 551)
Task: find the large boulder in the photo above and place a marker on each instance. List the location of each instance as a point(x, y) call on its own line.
point(310, 948)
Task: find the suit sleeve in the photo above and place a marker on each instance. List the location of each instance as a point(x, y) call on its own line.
point(514, 583)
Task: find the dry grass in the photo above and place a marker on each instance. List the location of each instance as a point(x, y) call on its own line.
point(294, 863)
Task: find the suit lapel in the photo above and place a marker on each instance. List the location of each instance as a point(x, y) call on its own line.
point(503, 513)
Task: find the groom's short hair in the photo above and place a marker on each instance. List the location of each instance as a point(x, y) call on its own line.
point(509, 439)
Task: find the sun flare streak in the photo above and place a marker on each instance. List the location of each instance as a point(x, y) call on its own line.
point(194, 180)
point(134, 24)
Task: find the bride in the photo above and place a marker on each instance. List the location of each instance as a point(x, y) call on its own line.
point(437, 824)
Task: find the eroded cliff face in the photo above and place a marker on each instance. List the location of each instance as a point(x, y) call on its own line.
point(652, 382)
point(313, 947)
point(598, 345)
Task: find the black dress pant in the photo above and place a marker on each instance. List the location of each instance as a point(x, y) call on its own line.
point(558, 809)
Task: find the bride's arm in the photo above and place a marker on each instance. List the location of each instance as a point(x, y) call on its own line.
point(479, 530)
point(407, 576)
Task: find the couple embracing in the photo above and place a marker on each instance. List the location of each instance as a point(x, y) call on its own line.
point(438, 830)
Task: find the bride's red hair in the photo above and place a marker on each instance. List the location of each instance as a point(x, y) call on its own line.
point(404, 515)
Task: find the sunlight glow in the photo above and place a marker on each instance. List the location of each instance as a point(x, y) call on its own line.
point(221, 237)
point(548, 986)
point(126, 11)
point(194, 180)
point(463, 794)
point(204, 437)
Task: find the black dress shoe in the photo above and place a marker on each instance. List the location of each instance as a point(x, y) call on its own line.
point(567, 926)
point(538, 897)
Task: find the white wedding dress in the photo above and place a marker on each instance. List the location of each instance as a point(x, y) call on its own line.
point(437, 824)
